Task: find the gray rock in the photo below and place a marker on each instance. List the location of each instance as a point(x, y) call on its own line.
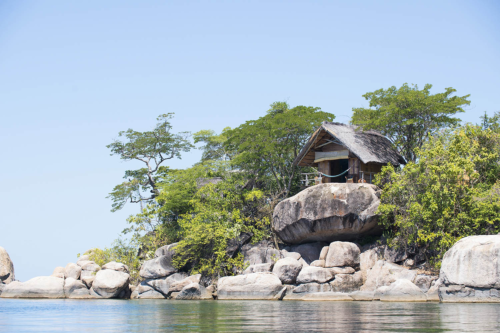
point(362, 295)
point(394, 255)
point(162, 285)
point(75, 289)
point(342, 270)
point(318, 263)
point(260, 253)
point(2, 286)
point(250, 286)
point(234, 245)
point(324, 252)
point(177, 286)
point(342, 254)
point(313, 288)
point(287, 269)
point(424, 281)
point(39, 287)
point(88, 280)
point(294, 255)
point(167, 250)
point(400, 291)
point(384, 273)
point(145, 291)
point(88, 266)
point(84, 257)
point(6, 267)
point(72, 271)
point(312, 274)
point(347, 283)
point(328, 212)
point(433, 292)
point(463, 294)
point(309, 251)
point(116, 266)
point(194, 291)
point(109, 283)
point(157, 267)
point(58, 272)
point(474, 262)
point(368, 258)
point(259, 268)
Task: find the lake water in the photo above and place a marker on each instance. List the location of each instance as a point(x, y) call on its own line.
point(244, 316)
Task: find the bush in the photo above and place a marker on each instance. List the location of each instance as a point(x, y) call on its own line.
point(451, 191)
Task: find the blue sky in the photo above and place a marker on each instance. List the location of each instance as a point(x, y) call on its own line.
point(75, 73)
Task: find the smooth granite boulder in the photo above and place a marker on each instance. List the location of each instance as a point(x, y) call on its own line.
point(384, 273)
point(287, 269)
point(347, 283)
point(88, 280)
point(72, 271)
point(309, 252)
point(157, 268)
point(89, 268)
point(75, 289)
point(294, 255)
point(262, 252)
point(116, 266)
point(177, 286)
point(6, 267)
point(259, 268)
point(463, 294)
point(145, 291)
point(312, 274)
point(39, 287)
point(110, 283)
point(318, 263)
point(58, 272)
point(368, 257)
point(312, 288)
point(2, 286)
point(342, 254)
point(400, 291)
point(250, 286)
point(474, 262)
point(162, 285)
point(328, 212)
point(194, 291)
point(424, 281)
point(166, 250)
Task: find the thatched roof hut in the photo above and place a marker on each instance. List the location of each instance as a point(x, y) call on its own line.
point(336, 148)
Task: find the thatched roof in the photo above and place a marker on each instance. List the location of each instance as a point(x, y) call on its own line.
point(368, 146)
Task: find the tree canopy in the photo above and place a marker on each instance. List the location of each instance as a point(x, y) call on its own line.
point(407, 115)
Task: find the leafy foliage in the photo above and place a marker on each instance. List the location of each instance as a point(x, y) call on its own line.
point(214, 148)
point(452, 191)
point(407, 116)
point(266, 147)
point(152, 148)
point(220, 213)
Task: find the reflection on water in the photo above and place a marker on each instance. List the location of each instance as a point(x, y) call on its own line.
point(244, 316)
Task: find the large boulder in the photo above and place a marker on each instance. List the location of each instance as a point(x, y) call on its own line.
point(75, 289)
point(312, 288)
point(287, 269)
point(400, 291)
point(116, 266)
point(312, 274)
point(342, 254)
point(166, 250)
point(158, 267)
point(39, 287)
point(250, 286)
point(177, 286)
point(346, 283)
point(384, 273)
point(309, 251)
point(6, 267)
point(262, 252)
point(473, 261)
point(259, 268)
point(58, 272)
point(328, 212)
point(194, 291)
point(145, 291)
point(72, 271)
point(368, 258)
point(89, 268)
point(110, 283)
point(162, 285)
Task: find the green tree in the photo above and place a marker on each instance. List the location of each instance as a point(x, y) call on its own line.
point(214, 148)
point(408, 115)
point(452, 191)
point(265, 148)
point(492, 123)
point(151, 148)
point(220, 213)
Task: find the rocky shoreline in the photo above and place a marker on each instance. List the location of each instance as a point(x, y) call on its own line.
point(328, 267)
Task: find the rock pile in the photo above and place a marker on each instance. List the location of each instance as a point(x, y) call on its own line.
point(85, 279)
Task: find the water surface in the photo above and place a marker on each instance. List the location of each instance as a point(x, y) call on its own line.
point(244, 316)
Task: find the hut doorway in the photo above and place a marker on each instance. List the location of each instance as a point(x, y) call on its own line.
point(337, 167)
